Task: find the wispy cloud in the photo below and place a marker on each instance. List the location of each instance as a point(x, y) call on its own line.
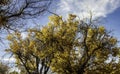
point(5, 59)
point(9, 59)
point(99, 8)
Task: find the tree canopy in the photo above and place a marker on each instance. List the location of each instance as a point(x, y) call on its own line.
point(66, 47)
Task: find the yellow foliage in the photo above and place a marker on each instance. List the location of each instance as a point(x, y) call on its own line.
point(101, 29)
point(90, 32)
point(9, 37)
point(31, 45)
point(113, 40)
point(64, 46)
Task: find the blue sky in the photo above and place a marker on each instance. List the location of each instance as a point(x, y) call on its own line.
point(109, 10)
point(113, 22)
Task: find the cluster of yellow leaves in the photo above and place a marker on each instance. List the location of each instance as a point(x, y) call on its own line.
point(22, 49)
point(90, 32)
point(101, 29)
point(55, 19)
point(113, 40)
point(104, 68)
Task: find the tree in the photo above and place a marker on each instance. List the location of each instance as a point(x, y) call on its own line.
point(3, 68)
point(66, 47)
point(14, 10)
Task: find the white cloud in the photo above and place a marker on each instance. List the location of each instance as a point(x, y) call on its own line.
point(24, 35)
point(7, 59)
point(99, 8)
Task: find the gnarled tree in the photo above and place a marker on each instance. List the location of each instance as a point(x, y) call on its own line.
point(66, 47)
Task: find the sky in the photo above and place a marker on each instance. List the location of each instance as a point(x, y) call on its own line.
point(113, 22)
point(108, 10)
point(99, 8)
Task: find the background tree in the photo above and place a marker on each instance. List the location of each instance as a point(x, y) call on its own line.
point(66, 47)
point(13, 10)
